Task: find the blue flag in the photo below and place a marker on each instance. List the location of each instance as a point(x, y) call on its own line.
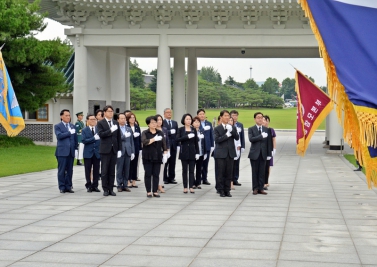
point(347, 36)
point(10, 113)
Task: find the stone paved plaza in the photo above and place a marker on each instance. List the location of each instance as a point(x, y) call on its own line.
point(318, 212)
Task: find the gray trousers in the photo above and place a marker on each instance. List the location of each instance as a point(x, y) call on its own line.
point(123, 171)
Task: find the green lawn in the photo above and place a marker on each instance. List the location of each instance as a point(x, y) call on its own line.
point(25, 159)
point(280, 118)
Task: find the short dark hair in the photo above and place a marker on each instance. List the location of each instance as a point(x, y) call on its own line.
point(105, 108)
point(223, 112)
point(128, 117)
point(99, 111)
point(89, 115)
point(126, 111)
point(200, 110)
point(121, 114)
point(257, 113)
point(184, 117)
point(233, 112)
point(267, 117)
point(196, 118)
point(218, 118)
point(64, 110)
point(148, 119)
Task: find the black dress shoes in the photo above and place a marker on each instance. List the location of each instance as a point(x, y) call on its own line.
point(69, 191)
point(255, 192)
point(112, 193)
point(222, 194)
point(206, 182)
point(126, 189)
point(62, 191)
point(96, 190)
point(228, 194)
point(358, 169)
point(237, 183)
point(166, 182)
point(105, 193)
point(172, 182)
point(262, 192)
point(89, 190)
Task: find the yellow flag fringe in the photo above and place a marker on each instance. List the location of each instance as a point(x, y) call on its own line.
point(360, 123)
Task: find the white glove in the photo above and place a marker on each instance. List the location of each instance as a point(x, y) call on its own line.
point(165, 158)
point(268, 158)
point(264, 134)
point(197, 156)
point(205, 156)
point(136, 134)
point(168, 154)
point(119, 154)
point(132, 156)
point(158, 138)
point(207, 127)
point(228, 134)
point(274, 152)
point(212, 148)
point(201, 136)
point(228, 127)
point(72, 131)
point(127, 134)
point(238, 154)
point(172, 131)
point(239, 129)
point(191, 135)
point(242, 150)
point(76, 153)
point(178, 148)
point(96, 137)
point(140, 152)
point(114, 128)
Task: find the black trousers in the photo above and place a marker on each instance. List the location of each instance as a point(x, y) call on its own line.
point(90, 163)
point(198, 171)
point(169, 170)
point(188, 165)
point(133, 168)
point(205, 167)
point(216, 174)
point(108, 162)
point(225, 173)
point(258, 169)
point(236, 169)
point(151, 175)
point(267, 172)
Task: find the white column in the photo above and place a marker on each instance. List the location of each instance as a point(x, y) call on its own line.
point(179, 99)
point(127, 82)
point(108, 78)
point(163, 97)
point(335, 132)
point(192, 83)
point(80, 90)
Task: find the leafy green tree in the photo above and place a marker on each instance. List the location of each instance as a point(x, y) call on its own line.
point(153, 84)
point(210, 74)
point(35, 67)
point(207, 94)
point(250, 83)
point(136, 75)
point(271, 86)
point(288, 88)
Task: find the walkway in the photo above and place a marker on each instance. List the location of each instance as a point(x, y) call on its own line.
point(318, 212)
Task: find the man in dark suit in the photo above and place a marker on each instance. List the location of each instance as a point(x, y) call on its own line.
point(91, 140)
point(206, 128)
point(172, 127)
point(240, 130)
point(258, 153)
point(128, 154)
point(110, 149)
point(66, 150)
point(225, 153)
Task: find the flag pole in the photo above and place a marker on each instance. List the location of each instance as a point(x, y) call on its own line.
point(2, 46)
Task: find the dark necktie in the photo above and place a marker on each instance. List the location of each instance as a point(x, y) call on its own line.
point(109, 123)
point(93, 130)
point(66, 125)
point(170, 123)
point(259, 130)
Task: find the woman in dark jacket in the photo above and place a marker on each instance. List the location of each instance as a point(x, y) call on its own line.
point(165, 131)
point(131, 122)
point(202, 153)
point(154, 154)
point(189, 151)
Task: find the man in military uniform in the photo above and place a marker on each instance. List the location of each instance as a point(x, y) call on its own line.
point(79, 125)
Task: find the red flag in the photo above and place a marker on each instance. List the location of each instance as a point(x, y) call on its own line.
point(313, 105)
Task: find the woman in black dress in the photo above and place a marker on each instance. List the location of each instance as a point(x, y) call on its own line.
point(131, 122)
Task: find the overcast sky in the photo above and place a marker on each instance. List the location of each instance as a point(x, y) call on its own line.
point(239, 69)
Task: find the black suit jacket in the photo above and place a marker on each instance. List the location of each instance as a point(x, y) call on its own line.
point(189, 146)
point(110, 141)
point(172, 137)
point(224, 144)
point(258, 143)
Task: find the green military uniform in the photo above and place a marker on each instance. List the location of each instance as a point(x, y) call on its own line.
point(79, 125)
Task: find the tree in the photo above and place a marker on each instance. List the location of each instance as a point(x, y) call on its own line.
point(271, 86)
point(210, 74)
point(136, 75)
point(35, 67)
point(288, 88)
point(250, 83)
point(153, 84)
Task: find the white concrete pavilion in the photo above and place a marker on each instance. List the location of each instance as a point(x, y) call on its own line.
point(107, 32)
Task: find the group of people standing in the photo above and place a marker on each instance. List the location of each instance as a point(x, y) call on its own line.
point(116, 145)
